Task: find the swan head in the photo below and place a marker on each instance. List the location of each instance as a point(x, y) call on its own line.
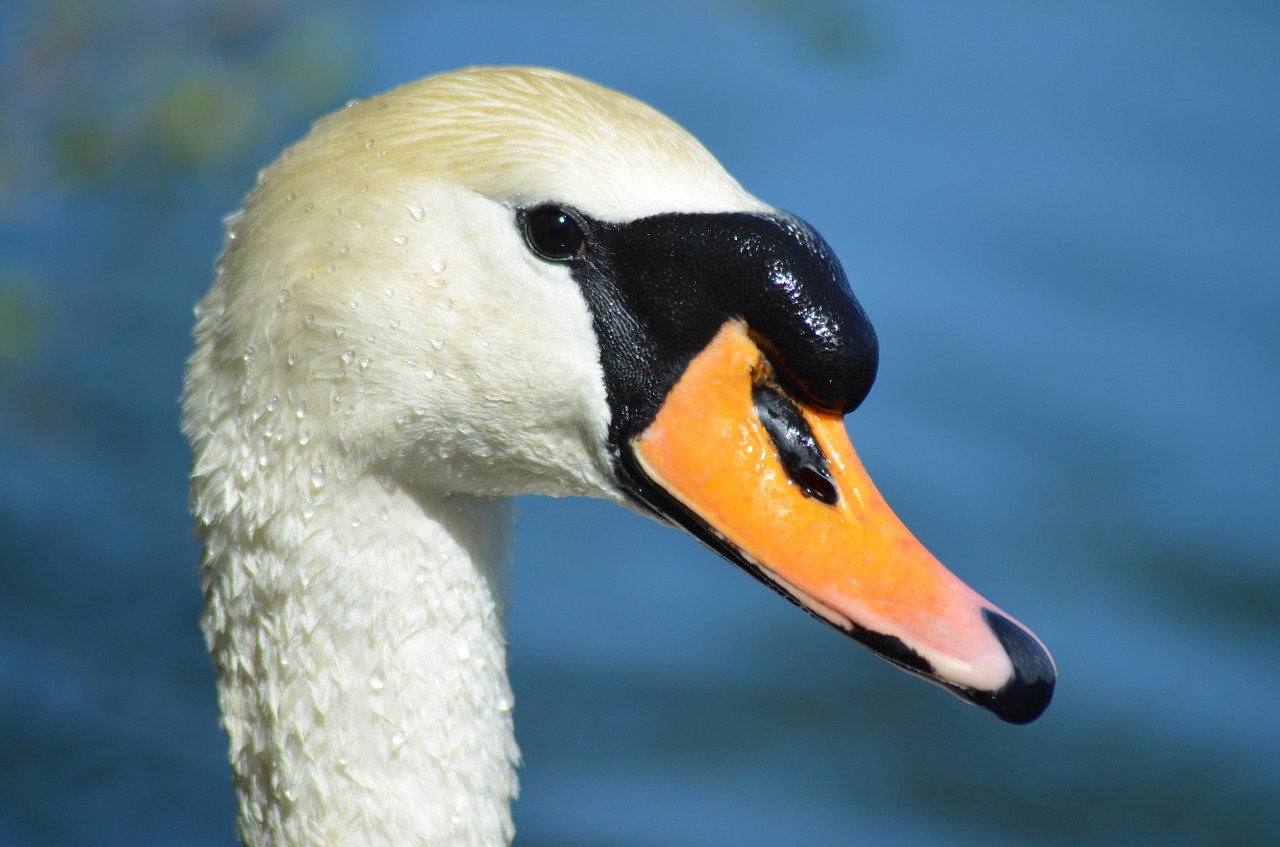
point(505, 281)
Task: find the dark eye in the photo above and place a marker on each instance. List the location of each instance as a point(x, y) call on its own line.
point(554, 233)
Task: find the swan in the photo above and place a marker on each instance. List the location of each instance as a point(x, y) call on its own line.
point(493, 282)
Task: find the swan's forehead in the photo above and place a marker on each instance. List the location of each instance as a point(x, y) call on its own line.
point(523, 136)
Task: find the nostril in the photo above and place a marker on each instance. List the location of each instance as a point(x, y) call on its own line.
point(816, 484)
point(798, 450)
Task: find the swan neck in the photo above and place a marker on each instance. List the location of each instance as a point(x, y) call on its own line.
point(361, 667)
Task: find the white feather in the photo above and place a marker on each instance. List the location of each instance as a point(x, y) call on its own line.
point(379, 361)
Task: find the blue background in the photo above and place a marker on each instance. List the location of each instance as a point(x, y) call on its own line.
point(1064, 221)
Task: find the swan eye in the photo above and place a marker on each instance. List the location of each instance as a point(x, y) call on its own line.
point(554, 233)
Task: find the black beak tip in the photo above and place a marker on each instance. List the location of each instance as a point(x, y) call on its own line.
point(1024, 697)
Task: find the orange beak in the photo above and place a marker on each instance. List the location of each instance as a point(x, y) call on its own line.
point(778, 487)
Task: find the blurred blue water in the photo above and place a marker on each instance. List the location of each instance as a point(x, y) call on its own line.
point(1064, 224)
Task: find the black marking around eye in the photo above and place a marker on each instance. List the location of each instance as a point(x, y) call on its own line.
point(660, 288)
point(798, 450)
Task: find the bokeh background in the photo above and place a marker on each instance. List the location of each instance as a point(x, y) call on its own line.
point(1064, 220)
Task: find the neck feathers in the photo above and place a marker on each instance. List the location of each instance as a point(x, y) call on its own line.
point(361, 663)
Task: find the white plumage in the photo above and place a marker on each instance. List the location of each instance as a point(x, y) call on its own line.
point(378, 362)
